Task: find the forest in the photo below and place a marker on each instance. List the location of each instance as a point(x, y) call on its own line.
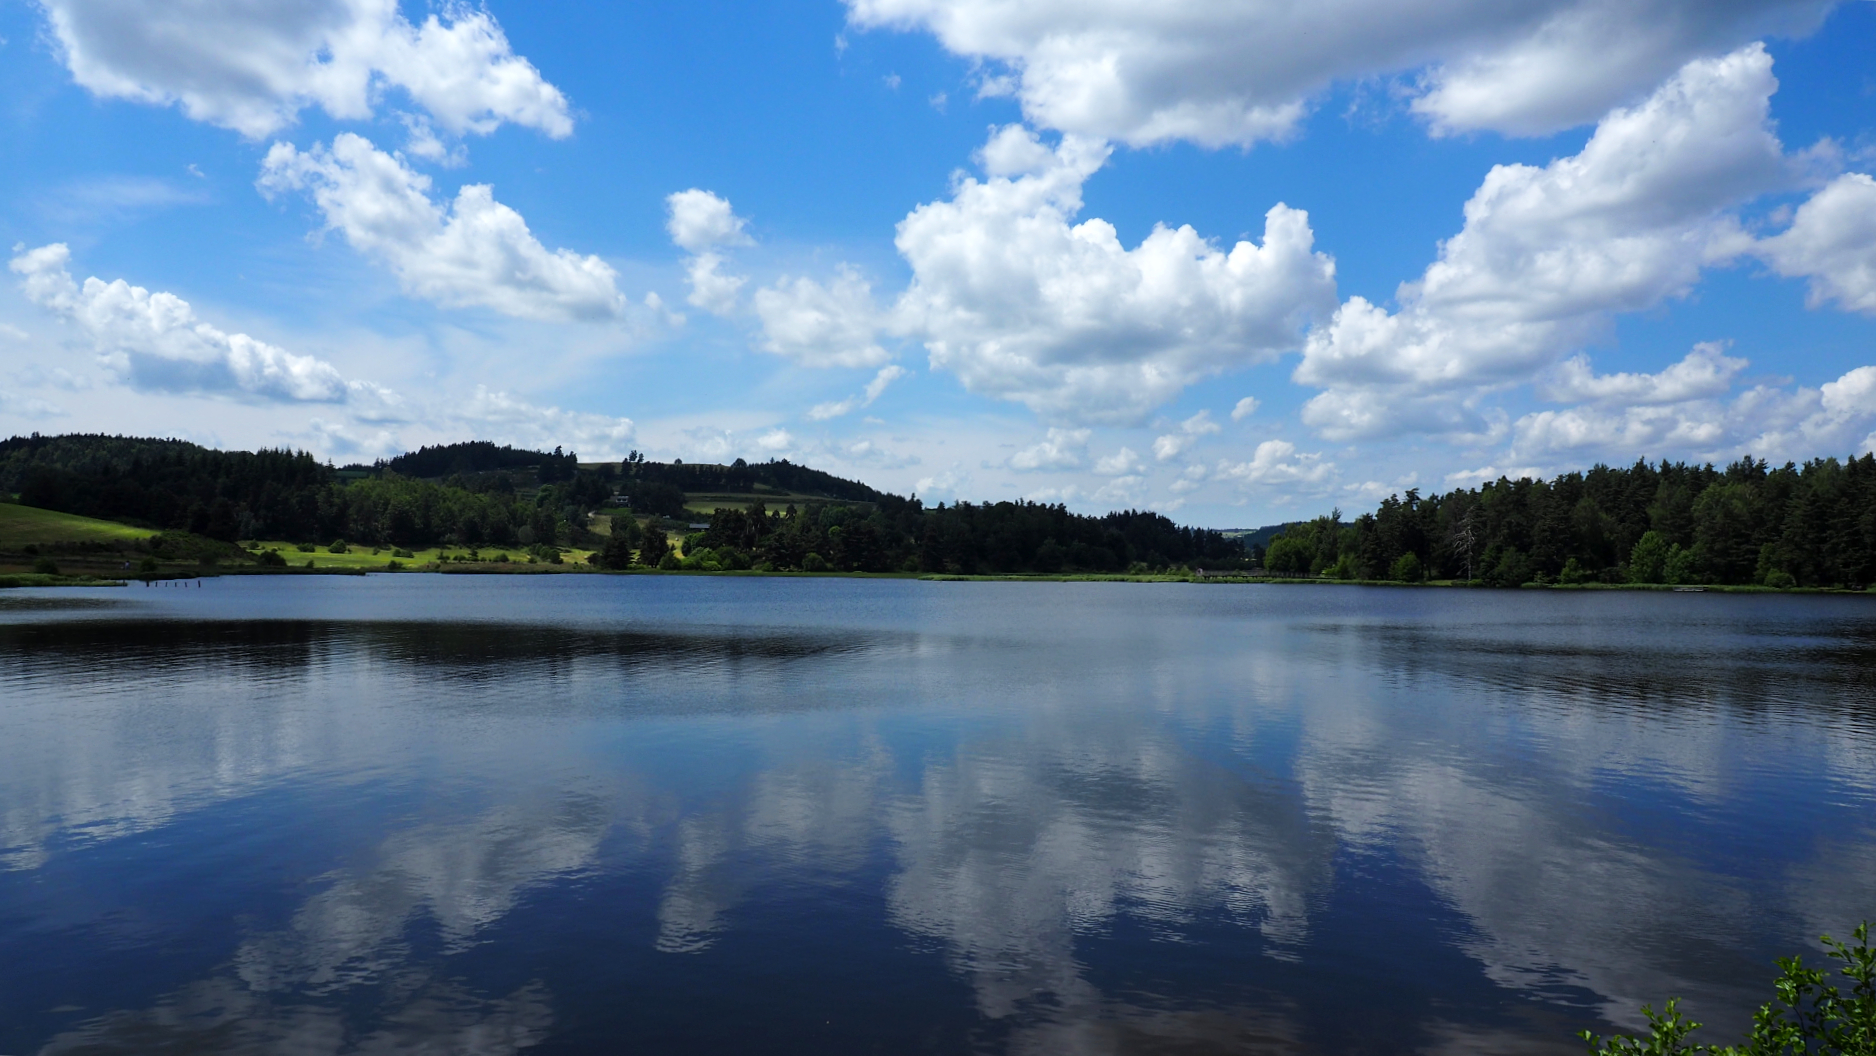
point(904, 535)
point(489, 495)
point(1809, 526)
point(286, 495)
point(481, 456)
point(1812, 525)
point(649, 487)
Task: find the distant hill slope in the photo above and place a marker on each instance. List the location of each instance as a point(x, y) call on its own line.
point(172, 484)
point(1258, 536)
point(22, 526)
point(481, 456)
point(87, 453)
point(742, 477)
point(489, 494)
point(777, 476)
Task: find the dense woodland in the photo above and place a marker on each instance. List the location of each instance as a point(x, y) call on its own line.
point(284, 495)
point(481, 494)
point(481, 456)
point(896, 534)
point(1749, 523)
point(1812, 525)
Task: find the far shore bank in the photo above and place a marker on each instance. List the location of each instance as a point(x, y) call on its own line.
point(29, 580)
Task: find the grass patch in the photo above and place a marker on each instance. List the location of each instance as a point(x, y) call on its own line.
point(355, 556)
point(35, 579)
point(430, 559)
point(22, 526)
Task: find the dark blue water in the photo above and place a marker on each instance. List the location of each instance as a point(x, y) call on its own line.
point(593, 815)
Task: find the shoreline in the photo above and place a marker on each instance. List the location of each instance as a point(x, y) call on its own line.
point(26, 580)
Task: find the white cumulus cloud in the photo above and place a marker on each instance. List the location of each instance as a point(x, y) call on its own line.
point(473, 251)
point(711, 289)
point(699, 220)
point(702, 224)
point(876, 388)
point(422, 141)
point(1705, 372)
point(1277, 462)
point(1832, 241)
point(1236, 73)
point(253, 67)
point(341, 440)
point(1548, 255)
point(1166, 448)
point(832, 325)
point(951, 482)
point(508, 419)
point(1172, 445)
point(1689, 411)
point(29, 407)
point(1244, 408)
point(1128, 490)
point(1660, 431)
point(1122, 463)
point(154, 341)
point(1061, 449)
point(1190, 479)
point(1022, 304)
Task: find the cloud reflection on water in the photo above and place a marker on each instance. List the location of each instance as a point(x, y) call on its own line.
point(1555, 782)
point(342, 975)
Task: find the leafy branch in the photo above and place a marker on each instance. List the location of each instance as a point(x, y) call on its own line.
point(1809, 1017)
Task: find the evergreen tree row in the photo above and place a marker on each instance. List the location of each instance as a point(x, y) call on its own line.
point(739, 477)
point(904, 535)
point(1812, 525)
point(481, 456)
point(287, 495)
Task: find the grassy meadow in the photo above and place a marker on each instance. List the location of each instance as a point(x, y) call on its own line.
point(86, 547)
point(84, 551)
point(385, 559)
point(24, 526)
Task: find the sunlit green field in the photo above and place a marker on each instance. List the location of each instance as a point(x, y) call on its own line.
point(29, 526)
point(364, 557)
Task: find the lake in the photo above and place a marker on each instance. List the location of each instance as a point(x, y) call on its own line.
point(586, 814)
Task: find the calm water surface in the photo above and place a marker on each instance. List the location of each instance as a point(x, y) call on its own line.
point(452, 814)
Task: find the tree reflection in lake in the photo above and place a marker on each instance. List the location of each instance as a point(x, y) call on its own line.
point(282, 816)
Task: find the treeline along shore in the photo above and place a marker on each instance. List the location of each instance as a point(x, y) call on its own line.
point(1808, 526)
point(478, 496)
point(477, 504)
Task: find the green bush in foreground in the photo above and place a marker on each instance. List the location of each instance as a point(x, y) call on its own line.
point(1808, 1018)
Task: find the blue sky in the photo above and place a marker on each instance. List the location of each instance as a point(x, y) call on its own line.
point(1241, 262)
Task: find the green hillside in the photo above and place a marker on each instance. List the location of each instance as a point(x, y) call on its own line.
point(22, 526)
point(493, 500)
